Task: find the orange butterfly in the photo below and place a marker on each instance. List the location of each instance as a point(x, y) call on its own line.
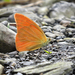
point(29, 35)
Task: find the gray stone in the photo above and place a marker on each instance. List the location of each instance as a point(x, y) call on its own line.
point(65, 21)
point(11, 18)
point(43, 10)
point(71, 57)
point(10, 60)
point(59, 28)
point(62, 9)
point(48, 68)
point(69, 39)
point(44, 27)
point(54, 34)
point(71, 29)
point(58, 33)
point(62, 43)
point(51, 35)
point(48, 20)
point(7, 60)
point(6, 11)
point(3, 55)
point(7, 39)
point(4, 22)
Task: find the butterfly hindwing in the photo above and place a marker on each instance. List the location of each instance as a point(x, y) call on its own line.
point(29, 35)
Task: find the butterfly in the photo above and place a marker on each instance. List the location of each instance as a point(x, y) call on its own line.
point(29, 35)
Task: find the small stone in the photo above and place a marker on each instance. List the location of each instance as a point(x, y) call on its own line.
point(5, 23)
point(50, 34)
point(71, 57)
point(7, 39)
point(43, 10)
point(71, 29)
point(13, 53)
point(11, 18)
point(10, 60)
point(49, 20)
point(44, 27)
point(59, 37)
point(58, 33)
point(69, 39)
point(59, 28)
point(28, 63)
point(62, 43)
point(65, 21)
point(45, 30)
point(4, 55)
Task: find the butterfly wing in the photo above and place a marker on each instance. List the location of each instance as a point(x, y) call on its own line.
point(29, 35)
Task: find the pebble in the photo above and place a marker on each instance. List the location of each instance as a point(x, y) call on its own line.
point(10, 59)
point(59, 28)
point(58, 33)
point(71, 29)
point(11, 18)
point(51, 35)
point(5, 23)
point(42, 10)
point(48, 20)
point(63, 43)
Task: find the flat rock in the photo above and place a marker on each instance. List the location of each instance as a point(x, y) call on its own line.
point(7, 39)
point(47, 68)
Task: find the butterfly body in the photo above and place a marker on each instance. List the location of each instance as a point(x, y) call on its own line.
point(29, 35)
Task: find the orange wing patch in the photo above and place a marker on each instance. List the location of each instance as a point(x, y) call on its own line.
point(29, 35)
